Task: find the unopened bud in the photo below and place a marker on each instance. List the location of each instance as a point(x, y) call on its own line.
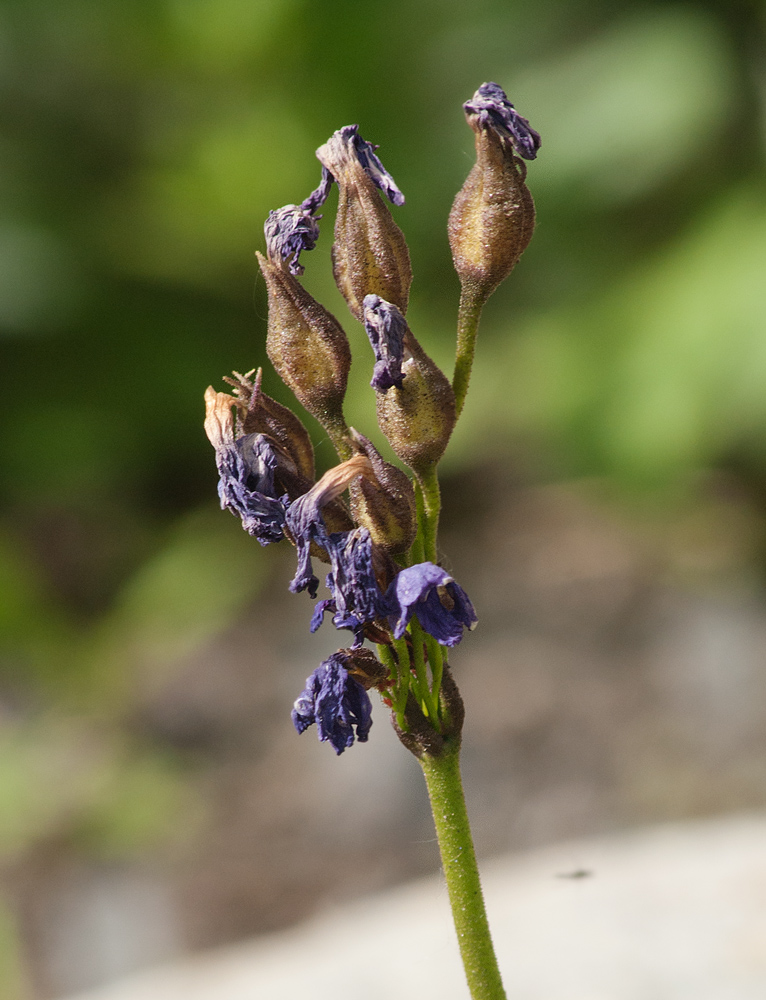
point(418, 418)
point(307, 346)
point(493, 215)
point(370, 255)
point(383, 502)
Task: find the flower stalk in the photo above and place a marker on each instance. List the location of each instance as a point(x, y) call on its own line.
point(461, 872)
point(368, 520)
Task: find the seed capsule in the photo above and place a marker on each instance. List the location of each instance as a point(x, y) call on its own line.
point(307, 346)
point(370, 255)
point(418, 418)
point(493, 215)
point(383, 502)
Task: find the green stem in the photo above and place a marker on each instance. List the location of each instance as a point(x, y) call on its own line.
point(436, 660)
point(429, 695)
point(428, 482)
point(403, 680)
point(461, 873)
point(469, 313)
point(417, 553)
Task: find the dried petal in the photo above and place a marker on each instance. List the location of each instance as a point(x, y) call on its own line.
point(493, 109)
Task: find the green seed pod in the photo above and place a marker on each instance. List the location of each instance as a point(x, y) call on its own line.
point(383, 502)
point(308, 348)
point(418, 418)
point(493, 215)
point(370, 255)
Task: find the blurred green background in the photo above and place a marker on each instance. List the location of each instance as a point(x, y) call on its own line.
point(143, 143)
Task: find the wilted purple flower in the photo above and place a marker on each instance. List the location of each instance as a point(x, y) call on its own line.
point(494, 110)
point(246, 468)
point(289, 231)
point(336, 702)
point(385, 328)
point(305, 524)
point(347, 142)
point(352, 579)
point(442, 606)
point(304, 518)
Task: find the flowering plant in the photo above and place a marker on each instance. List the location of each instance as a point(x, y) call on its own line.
point(385, 583)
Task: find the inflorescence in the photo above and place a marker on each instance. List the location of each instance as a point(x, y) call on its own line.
point(374, 525)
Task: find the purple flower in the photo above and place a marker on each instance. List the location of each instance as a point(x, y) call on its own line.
point(289, 231)
point(352, 579)
point(304, 518)
point(442, 607)
point(246, 487)
point(336, 702)
point(495, 111)
point(305, 524)
point(385, 328)
point(246, 468)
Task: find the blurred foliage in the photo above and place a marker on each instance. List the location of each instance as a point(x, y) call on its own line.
point(142, 145)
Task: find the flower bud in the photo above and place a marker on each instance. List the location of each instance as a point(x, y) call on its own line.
point(418, 418)
point(307, 346)
point(370, 255)
point(383, 502)
point(493, 215)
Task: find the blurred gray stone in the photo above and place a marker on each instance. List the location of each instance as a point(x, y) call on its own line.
point(675, 912)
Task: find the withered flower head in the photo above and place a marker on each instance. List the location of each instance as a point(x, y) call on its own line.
point(385, 328)
point(289, 231)
point(370, 254)
point(246, 467)
point(337, 702)
point(304, 519)
point(493, 110)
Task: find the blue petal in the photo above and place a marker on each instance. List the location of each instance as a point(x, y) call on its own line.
point(305, 524)
point(318, 197)
point(354, 585)
point(441, 606)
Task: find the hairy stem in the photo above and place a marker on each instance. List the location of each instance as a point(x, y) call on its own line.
point(429, 508)
point(469, 313)
point(461, 873)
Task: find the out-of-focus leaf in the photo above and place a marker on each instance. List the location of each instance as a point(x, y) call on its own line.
point(631, 106)
point(179, 600)
point(661, 376)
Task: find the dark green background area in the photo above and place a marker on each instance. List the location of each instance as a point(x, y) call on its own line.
point(142, 145)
